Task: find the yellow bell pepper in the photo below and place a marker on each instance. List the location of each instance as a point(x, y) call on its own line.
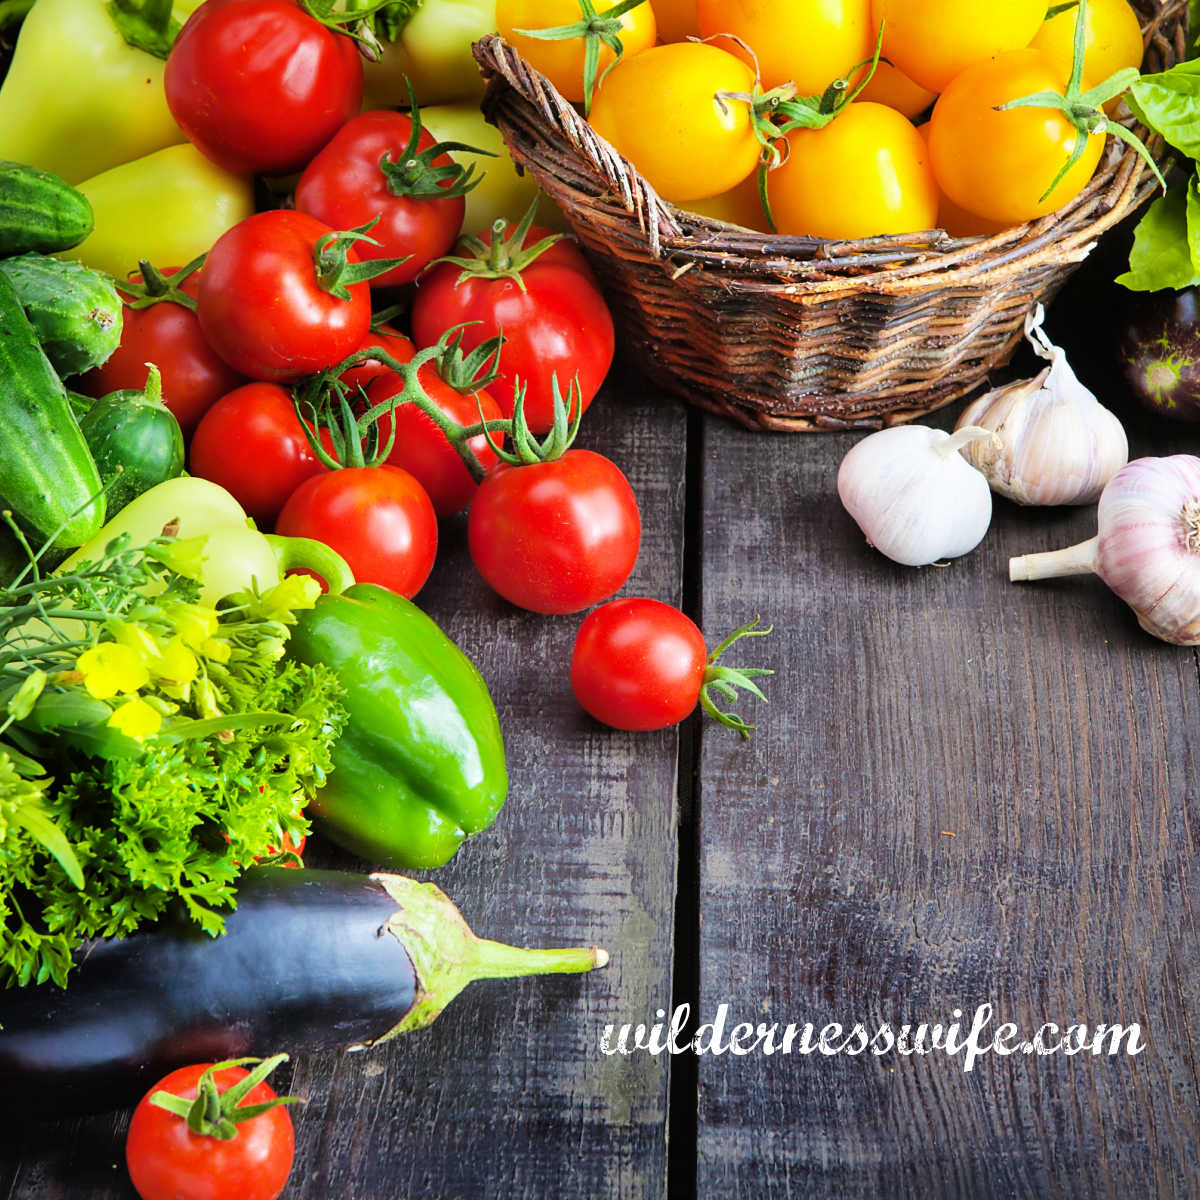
point(77, 98)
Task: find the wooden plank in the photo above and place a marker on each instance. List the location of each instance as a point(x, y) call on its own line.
point(507, 1094)
point(963, 791)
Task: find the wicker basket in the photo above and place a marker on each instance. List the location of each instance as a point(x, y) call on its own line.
point(792, 333)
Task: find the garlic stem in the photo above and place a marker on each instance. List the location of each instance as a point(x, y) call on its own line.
point(961, 437)
point(1054, 564)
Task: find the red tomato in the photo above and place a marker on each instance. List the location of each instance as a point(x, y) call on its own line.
point(262, 306)
point(168, 1162)
point(420, 446)
point(379, 519)
point(554, 321)
point(363, 173)
point(252, 443)
point(555, 537)
point(259, 86)
point(638, 664)
point(168, 335)
point(387, 338)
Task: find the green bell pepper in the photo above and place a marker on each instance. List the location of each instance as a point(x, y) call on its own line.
point(420, 763)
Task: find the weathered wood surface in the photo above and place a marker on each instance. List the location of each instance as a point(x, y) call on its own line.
point(965, 792)
point(506, 1095)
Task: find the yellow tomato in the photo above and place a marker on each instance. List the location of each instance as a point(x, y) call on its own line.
point(806, 42)
point(561, 61)
point(739, 206)
point(955, 220)
point(931, 41)
point(1112, 40)
point(672, 111)
point(889, 85)
point(867, 172)
point(676, 20)
point(999, 164)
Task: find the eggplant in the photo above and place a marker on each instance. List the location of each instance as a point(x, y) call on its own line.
point(1159, 352)
point(309, 961)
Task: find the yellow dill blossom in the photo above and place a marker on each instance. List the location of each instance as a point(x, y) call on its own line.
point(195, 623)
point(141, 641)
point(110, 667)
point(292, 592)
point(136, 719)
point(218, 649)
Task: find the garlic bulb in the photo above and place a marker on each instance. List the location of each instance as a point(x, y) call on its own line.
point(1057, 444)
point(914, 496)
point(1147, 548)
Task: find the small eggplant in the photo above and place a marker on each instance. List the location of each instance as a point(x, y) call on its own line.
point(310, 960)
point(1159, 352)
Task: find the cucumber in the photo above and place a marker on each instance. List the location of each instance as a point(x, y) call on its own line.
point(75, 311)
point(47, 474)
point(135, 440)
point(40, 211)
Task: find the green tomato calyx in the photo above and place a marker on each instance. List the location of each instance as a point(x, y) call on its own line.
point(726, 680)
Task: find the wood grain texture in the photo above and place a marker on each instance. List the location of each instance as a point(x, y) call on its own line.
point(964, 791)
point(507, 1095)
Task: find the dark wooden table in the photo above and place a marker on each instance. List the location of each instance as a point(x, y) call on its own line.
point(962, 792)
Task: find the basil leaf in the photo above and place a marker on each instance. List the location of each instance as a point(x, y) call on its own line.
point(146, 24)
point(1168, 102)
point(1166, 243)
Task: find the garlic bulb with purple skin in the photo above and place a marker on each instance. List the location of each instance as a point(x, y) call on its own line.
point(1147, 548)
point(1056, 443)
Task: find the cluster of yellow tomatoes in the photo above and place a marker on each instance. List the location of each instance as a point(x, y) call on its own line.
point(683, 110)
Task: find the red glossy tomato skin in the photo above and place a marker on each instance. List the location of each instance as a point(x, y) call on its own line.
point(345, 187)
point(421, 448)
point(379, 519)
point(556, 326)
point(555, 537)
point(252, 443)
point(388, 339)
point(167, 1161)
point(259, 86)
point(260, 304)
point(194, 376)
point(638, 664)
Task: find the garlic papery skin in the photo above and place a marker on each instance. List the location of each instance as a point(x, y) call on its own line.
point(1057, 444)
point(1147, 548)
point(913, 494)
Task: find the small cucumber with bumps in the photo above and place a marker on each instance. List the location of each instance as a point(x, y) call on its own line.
point(40, 211)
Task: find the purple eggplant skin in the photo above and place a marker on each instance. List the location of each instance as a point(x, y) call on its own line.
point(1159, 352)
point(303, 965)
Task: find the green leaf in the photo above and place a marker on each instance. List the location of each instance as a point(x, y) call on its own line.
point(1168, 103)
point(41, 828)
point(1166, 243)
point(146, 24)
point(391, 20)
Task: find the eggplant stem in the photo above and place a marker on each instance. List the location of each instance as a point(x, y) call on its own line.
point(1055, 564)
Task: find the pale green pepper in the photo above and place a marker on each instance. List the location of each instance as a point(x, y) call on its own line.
point(168, 207)
point(236, 556)
point(433, 50)
point(77, 98)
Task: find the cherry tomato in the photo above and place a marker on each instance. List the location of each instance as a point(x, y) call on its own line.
point(194, 376)
point(387, 338)
point(672, 111)
point(379, 519)
point(1112, 41)
point(262, 306)
point(999, 164)
point(252, 443)
point(638, 664)
point(806, 42)
point(555, 537)
point(168, 1162)
point(421, 448)
point(561, 61)
point(955, 220)
point(932, 41)
point(740, 206)
point(881, 164)
point(554, 321)
point(259, 86)
point(362, 174)
point(676, 20)
point(889, 85)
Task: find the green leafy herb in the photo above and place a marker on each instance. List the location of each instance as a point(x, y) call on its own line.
point(153, 748)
